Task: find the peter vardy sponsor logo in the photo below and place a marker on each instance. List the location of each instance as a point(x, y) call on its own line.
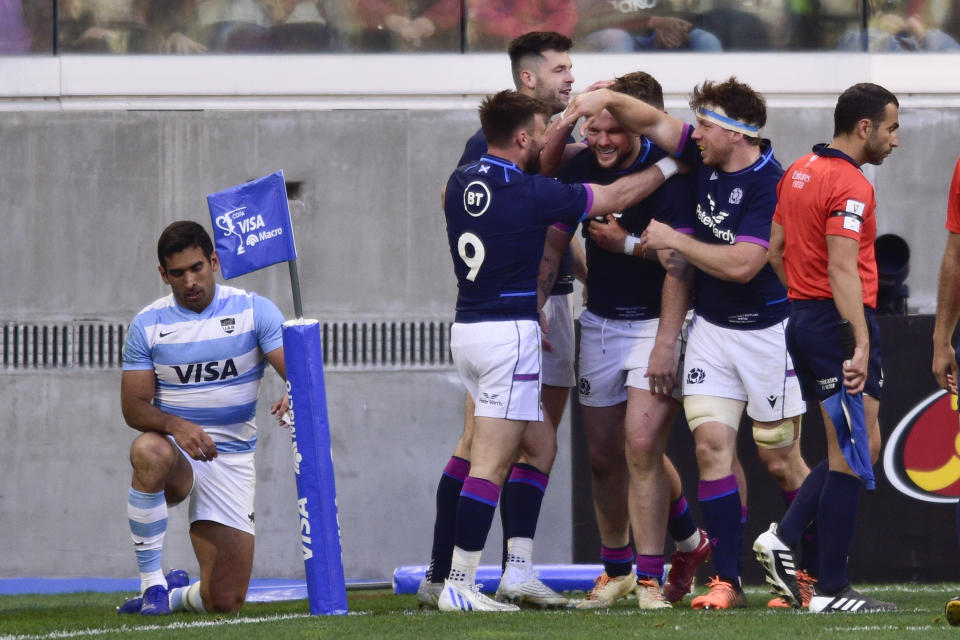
point(922, 456)
point(713, 220)
point(491, 399)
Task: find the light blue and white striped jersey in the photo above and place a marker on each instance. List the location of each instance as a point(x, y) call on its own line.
point(209, 364)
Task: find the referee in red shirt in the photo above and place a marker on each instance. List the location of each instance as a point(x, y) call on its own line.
point(821, 246)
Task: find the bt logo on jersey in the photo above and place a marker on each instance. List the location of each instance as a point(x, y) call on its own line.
point(476, 198)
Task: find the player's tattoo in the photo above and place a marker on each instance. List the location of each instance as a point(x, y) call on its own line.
point(547, 278)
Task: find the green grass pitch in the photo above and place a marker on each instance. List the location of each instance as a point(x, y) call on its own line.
point(381, 614)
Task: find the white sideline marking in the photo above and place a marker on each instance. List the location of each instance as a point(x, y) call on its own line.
point(913, 588)
point(885, 627)
point(80, 633)
point(937, 587)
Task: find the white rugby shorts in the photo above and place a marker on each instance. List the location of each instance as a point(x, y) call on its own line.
point(558, 364)
point(751, 365)
point(499, 364)
point(614, 355)
point(223, 490)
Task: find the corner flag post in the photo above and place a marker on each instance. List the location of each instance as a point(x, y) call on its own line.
point(255, 220)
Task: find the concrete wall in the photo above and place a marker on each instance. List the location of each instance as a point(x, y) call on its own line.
point(84, 196)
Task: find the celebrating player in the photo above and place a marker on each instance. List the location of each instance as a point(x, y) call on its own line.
point(497, 213)
point(821, 245)
point(192, 366)
point(541, 66)
point(736, 356)
point(629, 351)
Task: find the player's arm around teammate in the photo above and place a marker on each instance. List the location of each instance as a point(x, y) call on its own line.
point(677, 291)
point(739, 262)
point(638, 117)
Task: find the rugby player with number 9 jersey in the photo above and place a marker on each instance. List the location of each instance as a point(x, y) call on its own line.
point(497, 212)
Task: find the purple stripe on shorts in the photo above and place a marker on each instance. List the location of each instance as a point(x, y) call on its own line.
point(650, 565)
point(744, 512)
point(791, 373)
point(687, 231)
point(713, 489)
point(678, 507)
point(763, 242)
point(789, 496)
point(616, 555)
point(530, 477)
point(526, 376)
point(457, 468)
point(480, 490)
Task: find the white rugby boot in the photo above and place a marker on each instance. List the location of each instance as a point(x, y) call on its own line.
point(460, 596)
point(520, 583)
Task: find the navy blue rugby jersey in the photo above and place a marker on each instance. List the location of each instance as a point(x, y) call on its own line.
point(497, 219)
point(731, 207)
point(620, 286)
point(477, 146)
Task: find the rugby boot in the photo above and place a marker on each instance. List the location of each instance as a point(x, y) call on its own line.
point(722, 594)
point(521, 584)
point(650, 594)
point(428, 593)
point(459, 596)
point(156, 601)
point(806, 582)
point(175, 578)
point(607, 590)
point(778, 564)
point(848, 601)
point(778, 602)
point(683, 567)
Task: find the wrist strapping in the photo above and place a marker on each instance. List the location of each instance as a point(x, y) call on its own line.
point(629, 243)
point(668, 166)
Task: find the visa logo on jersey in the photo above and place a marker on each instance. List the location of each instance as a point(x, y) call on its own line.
point(206, 371)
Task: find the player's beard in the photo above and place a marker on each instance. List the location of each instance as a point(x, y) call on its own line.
point(533, 162)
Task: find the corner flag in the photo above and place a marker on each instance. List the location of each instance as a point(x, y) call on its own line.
point(252, 226)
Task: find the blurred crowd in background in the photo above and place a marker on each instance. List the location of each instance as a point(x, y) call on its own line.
point(376, 26)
